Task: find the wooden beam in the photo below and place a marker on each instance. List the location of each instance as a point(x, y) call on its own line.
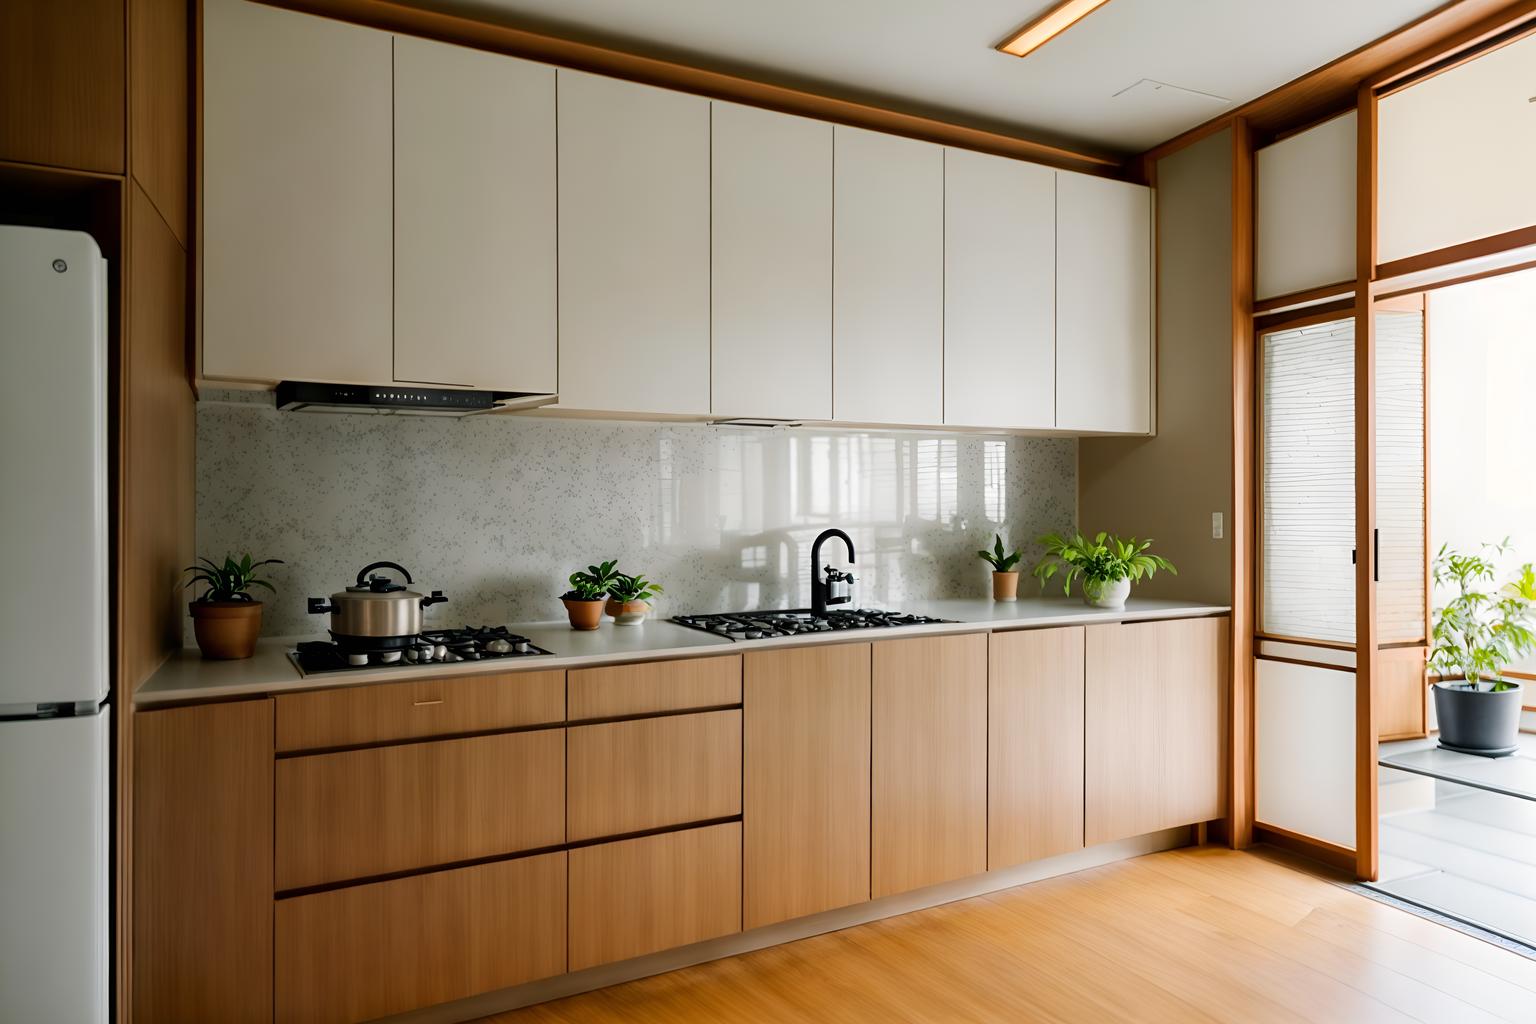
point(1240, 808)
point(1331, 88)
point(393, 16)
point(1365, 491)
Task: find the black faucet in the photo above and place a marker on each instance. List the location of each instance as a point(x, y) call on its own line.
point(821, 587)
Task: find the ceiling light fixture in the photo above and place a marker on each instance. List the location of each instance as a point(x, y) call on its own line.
point(1048, 26)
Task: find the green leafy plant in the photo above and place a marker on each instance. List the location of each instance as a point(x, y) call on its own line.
point(1104, 559)
point(1000, 559)
point(1482, 630)
point(593, 584)
point(626, 589)
point(231, 581)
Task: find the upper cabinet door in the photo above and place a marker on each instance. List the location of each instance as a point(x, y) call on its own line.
point(1304, 210)
point(999, 292)
point(1455, 152)
point(634, 247)
point(474, 218)
point(888, 280)
point(296, 197)
point(1103, 305)
point(771, 261)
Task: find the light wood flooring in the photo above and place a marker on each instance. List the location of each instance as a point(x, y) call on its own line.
point(1188, 936)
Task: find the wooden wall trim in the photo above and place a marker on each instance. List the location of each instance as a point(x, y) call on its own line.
point(1240, 807)
point(397, 17)
point(1514, 22)
point(1305, 297)
point(1366, 657)
point(1335, 856)
point(1477, 248)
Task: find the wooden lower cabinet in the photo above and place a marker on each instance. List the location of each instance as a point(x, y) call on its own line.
point(805, 784)
point(653, 687)
point(361, 813)
point(1155, 699)
point(638, 896)
point(367, 951)
point(202, 864)
point(929, 813)
point(1034, 745)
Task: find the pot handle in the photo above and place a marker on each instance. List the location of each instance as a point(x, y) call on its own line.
point(436, 598)
point(317, 606)
point(362, 574)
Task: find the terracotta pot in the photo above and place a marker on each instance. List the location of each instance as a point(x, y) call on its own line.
point(1005, 586)
point(584, 614)
point(226, 630)
point(630, 613)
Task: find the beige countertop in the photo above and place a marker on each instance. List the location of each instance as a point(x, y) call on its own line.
point(187, 677)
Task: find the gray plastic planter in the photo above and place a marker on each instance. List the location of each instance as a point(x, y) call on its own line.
point(1478, 721)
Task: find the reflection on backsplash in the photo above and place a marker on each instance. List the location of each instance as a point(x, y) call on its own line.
point(496, 510)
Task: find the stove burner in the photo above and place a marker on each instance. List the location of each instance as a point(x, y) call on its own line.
point(434, 646)
point(767, 625)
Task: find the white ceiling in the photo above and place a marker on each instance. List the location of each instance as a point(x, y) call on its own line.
point(936, 56)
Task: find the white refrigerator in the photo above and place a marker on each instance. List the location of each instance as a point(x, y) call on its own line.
point(55, 732)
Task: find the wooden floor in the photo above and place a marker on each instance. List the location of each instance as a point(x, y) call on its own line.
point(1191, 935)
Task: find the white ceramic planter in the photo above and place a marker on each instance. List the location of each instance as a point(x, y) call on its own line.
point(1106, 595)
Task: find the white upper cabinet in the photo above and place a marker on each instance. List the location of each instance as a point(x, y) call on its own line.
point(296, 197)
point(1455, 154)
point(999, 292)
point(888, 279)
point(1304, 210)
point(634, 247)
point(771, 260)
point(1103, 305)
point(474, 151)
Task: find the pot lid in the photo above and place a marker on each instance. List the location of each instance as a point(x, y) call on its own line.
point(376, 583)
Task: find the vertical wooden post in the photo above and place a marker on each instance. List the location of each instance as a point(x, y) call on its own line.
point(1365, 489)
point(1240, 805)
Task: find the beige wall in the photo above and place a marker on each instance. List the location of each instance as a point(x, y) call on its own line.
point(1166, 487)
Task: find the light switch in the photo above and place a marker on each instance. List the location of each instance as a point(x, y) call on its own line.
point(1216, 525)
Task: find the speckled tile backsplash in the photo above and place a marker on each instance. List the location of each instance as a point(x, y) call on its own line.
point(496, 511)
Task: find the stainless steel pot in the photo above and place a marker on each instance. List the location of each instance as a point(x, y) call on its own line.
point(376, 608)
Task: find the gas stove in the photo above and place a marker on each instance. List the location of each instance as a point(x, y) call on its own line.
point(798, 621)
point(432, 647)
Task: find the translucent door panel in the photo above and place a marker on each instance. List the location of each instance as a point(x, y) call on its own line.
point(1304, 750)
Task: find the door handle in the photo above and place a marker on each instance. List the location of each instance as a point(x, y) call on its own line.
point(1375, 555)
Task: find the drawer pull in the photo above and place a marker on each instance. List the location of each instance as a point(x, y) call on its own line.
point(426, 703)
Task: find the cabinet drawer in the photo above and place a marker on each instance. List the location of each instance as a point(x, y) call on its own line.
point(371, 950)
point(423, 707)
point(658, 892)
point(361, 813)
point(654, 686)
point(631, 776)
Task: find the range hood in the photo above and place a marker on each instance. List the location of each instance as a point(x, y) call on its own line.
point(307, 396)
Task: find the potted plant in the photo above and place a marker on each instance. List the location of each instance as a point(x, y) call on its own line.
point(1005, 578)
point(1107, 565)
point(226, 619)
point(589, 589)
point(1476, 636)
point(629, 599)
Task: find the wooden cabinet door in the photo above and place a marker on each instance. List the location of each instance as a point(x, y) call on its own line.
point(474, 152)
point(656, 892)
point(368, 951)
point(364, 813)
point(929, 814)
point(62, 84)
point(628, 777)
point(634, 247)
point(999, 292)
point(771, 264)
point(888, 279)
point(1155, 698)
point(1103, 305)
point(202, 863)
point(805, 781)
point(652, 687)
point(1034, 745)
point(297, 237)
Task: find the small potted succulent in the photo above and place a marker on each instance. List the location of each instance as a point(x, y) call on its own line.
point(1107, 565)
point(1005, 578)
point(589, 589)
point(226, 619)
point(1477, 635)
point(629, 599)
